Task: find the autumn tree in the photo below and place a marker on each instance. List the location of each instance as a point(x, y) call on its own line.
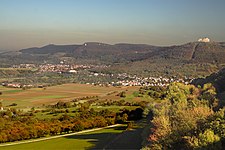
point(180, 120)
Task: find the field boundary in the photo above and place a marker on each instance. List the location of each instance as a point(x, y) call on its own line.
point(58, 136)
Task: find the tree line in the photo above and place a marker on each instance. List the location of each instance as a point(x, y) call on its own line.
point(16, 126)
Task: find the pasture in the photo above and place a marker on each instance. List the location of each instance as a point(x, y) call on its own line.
point(96, 140)
point(37, 97)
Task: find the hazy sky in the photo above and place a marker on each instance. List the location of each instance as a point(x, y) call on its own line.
point(28, 23)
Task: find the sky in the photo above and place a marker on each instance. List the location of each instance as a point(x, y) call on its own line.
point(35, 23)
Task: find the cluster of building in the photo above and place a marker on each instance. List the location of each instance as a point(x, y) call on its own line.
point(125, 79)
point(17, 85)
point(98, 74)
point(122, 79)
point(26, 66)
point(205, 40)
point(148, 81)
point(58, 68)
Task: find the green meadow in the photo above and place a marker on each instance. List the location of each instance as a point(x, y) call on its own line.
point(91, 140)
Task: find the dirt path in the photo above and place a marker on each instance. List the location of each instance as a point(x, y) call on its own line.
point(53, 137)
point(193, 51)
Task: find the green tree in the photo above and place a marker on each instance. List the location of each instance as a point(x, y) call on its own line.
point(124, 117)
point(209, 95)
point(206, 140)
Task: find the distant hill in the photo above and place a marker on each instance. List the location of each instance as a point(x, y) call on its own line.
point(195, 51)
point(93, 50)
point(1, 51)
point(198, 57)
point(50, 49)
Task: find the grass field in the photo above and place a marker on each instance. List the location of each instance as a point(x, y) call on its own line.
point(97, 140)
point(67, 92)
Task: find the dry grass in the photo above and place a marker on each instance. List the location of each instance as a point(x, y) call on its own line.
point(67, 92)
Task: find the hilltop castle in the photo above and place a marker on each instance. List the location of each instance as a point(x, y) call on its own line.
point(206, 40)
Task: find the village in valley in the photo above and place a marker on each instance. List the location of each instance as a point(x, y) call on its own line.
point(118, 79)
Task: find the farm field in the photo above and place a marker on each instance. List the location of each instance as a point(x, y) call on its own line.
point(96, 139)
point(38, 96)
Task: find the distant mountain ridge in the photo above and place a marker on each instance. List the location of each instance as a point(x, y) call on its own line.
point(93, 50)
point(195, 51)
point(203, 56)
point(88, 48)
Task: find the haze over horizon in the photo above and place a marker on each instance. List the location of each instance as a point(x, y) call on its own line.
point(31, 23)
